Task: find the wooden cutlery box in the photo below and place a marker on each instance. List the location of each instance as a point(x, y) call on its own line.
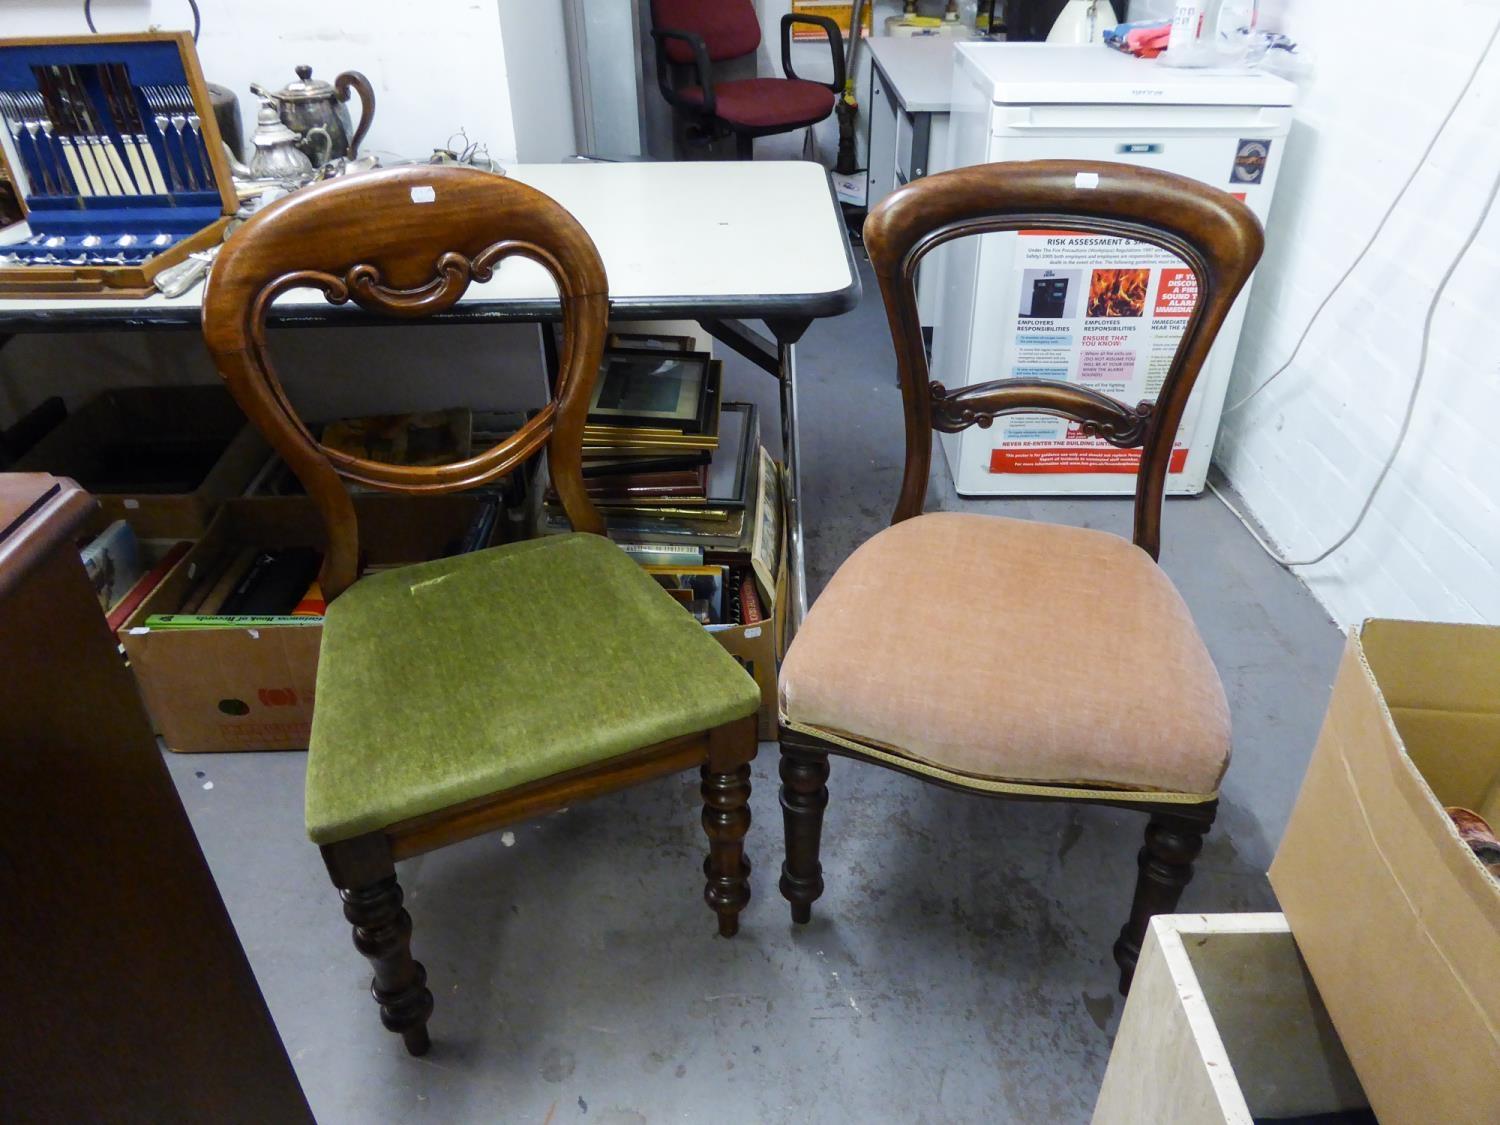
point(113, 148)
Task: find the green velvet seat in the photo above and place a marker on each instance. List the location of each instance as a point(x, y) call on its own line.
point(454, 679)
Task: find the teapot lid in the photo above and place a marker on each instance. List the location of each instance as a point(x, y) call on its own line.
point(306, 88)
point(269, 128)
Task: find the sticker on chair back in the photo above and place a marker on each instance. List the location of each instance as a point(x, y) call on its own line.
point(1250, 161)
point(423, 193)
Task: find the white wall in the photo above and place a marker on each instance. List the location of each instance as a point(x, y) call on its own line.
point(536, 73)
point(436, 67)
point(1305, 453)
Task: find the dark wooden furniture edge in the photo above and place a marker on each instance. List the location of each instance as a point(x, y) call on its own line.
point(49, 509)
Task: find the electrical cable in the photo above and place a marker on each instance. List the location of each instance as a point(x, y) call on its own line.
point(88, 17)
point(1421, 372)
point(1411, 401)
point(1380, 226)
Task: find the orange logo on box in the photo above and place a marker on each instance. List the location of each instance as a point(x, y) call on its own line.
point(277, 697)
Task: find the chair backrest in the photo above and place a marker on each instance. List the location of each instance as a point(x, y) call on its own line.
point(730, 29)
point(405, 243)
point(1214, 235)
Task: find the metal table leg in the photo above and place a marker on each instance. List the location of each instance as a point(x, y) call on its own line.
point(779, 360)
point(791, 443)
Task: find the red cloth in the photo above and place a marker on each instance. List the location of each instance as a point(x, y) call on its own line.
point(763, 103)
point(728, 28)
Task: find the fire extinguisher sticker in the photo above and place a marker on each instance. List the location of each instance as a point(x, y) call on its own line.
point(1250, 162)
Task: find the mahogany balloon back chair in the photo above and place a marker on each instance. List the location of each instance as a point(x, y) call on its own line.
point(1026, 660)
point(698, 33)
point(459, 695)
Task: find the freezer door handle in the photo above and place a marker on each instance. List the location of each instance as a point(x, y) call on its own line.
point(1265, 120)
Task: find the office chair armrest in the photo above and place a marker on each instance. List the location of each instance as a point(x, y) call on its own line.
point(835, 45)
point(704, 69)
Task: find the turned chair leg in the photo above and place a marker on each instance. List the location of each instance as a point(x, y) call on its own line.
point(726, 819)
point(1166, 867)
point(804, 796)
point(382, 932)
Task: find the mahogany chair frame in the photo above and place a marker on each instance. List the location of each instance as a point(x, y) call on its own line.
point(1220, 240)
point(406, 243)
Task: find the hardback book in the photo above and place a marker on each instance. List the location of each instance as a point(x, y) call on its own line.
point(113, 562)
point(148, 582)
point(661, 554)
point(225, 620)
point(699, 589)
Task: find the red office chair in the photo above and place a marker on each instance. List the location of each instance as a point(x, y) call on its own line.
point(702, 32)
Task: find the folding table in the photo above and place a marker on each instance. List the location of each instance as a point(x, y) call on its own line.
point(715, 242)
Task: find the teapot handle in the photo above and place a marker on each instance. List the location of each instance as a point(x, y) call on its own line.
point(353, 79)
point(327, 144)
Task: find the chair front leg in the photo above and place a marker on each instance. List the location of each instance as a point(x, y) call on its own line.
point(1173, 841)
point(366, 878)
point(804, 796)
point(726, 819)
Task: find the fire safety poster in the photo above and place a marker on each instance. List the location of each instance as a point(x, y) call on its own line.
point(1105, 313)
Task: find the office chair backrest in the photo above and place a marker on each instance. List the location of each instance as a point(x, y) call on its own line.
point(406, 243)
point(730, 29)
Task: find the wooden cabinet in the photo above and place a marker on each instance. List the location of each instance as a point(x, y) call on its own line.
point(128, 995)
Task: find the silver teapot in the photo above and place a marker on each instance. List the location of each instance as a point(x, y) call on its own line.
point(311, 103)
point(278, 151)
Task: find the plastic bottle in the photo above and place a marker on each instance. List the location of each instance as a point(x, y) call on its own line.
point(1187, 21)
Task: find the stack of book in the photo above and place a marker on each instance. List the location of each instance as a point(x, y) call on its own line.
point(678, 476)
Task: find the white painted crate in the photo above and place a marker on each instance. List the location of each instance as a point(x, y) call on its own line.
point(1223, 1024)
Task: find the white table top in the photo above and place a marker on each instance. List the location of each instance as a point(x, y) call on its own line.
point(919, 69)
point(710, 238)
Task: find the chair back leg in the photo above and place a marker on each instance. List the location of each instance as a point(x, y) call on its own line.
point(1173, 841)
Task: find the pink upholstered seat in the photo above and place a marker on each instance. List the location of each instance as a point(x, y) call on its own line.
point(1005, 649)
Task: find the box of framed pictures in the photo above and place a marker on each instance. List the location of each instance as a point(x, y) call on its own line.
point(664, 459)
point(112, 145)
point(687, 490)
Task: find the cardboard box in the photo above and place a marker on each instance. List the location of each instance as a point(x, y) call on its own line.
point(1224, 1024)
point(756, 648)
point(252, 689)
point(118, 431)
point(1398, 922)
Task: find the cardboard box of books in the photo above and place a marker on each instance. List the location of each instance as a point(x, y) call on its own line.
point(1387, 877)
point(245, 682)
point(756, 641)
point(160, 458)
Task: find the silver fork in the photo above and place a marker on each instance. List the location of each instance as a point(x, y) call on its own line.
point(41, 120)
point(161, 118)
point(187, 114)
point(16, 108)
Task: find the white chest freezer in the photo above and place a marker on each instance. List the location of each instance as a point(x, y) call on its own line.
point(1105, 313)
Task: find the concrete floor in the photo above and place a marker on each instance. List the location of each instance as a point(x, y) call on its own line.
point(957, 969)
